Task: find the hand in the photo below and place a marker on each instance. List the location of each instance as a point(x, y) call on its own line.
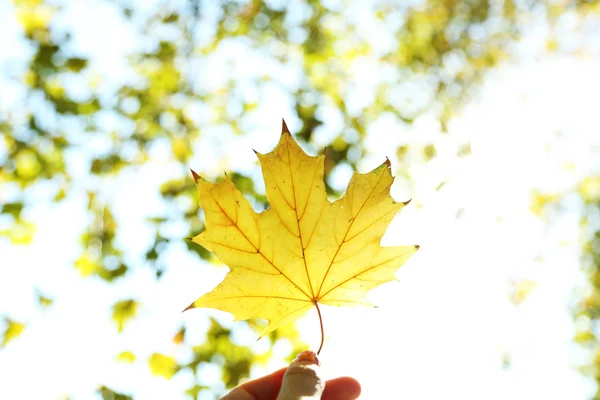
point(300, 380)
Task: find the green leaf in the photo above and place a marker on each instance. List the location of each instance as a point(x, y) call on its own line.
point(87, 265)
point(126, 357)
point(20, 233)
point(13, 209)
point(76, 64)
point(111, 274)
point(195, 390)
point(109, 394)
point(123, 312)
point(13, 330)
point(44, 301)
point(162, 365)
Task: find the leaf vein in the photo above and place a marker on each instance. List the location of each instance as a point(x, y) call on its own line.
point(264, 296)
point(298, 223)
point(259, 252)
point(362, 272)
point(368, 226)
point(348, 230)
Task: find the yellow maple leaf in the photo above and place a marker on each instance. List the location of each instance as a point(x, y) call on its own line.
point(304, 250)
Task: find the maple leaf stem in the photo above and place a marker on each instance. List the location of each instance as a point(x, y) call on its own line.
point(322, 331)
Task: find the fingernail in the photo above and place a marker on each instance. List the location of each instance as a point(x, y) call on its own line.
point(308, 356)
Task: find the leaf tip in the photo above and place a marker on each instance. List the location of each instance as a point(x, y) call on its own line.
point(189, 307)
point(388, 162)
point(284, 128)
point(405, 203)
point(195, 175)
point(417, 247)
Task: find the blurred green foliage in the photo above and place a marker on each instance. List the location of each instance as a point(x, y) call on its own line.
point(587, 311)
point(12, 330)
point(123, 311)
point(349, 61)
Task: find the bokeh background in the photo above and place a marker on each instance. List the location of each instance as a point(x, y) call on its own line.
point(487, 109)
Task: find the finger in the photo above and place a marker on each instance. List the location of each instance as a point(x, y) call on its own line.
point(302, 379)
point(265, 388)
point(344, 388)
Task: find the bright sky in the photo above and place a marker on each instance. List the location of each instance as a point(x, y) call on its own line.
point(442, 330)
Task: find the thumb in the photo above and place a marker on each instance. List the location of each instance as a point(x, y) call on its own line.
point(301, 380)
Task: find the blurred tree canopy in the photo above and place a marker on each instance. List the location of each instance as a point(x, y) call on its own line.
point(587, 310)
point(80, 108)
